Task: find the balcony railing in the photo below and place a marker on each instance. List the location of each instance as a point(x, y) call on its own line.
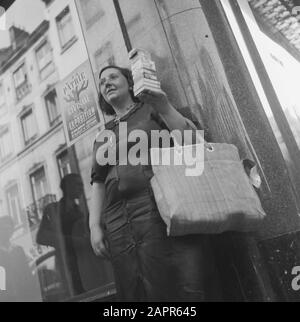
point(35, 210)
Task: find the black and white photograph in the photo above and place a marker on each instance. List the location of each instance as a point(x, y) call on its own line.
point(149, 153)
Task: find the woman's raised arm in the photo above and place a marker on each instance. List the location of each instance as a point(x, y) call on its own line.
point(159, 101)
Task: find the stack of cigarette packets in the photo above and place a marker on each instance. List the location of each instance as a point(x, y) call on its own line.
point(143, 71)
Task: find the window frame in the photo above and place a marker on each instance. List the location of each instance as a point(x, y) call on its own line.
point(20, 67)
point(41, 166)
point(17, 221)
point(65, 12)
point(106, 48)
point(58, 117)
point(47, 192)
point(59, 156)
point(26, 113)
point(25, 82)
point(42, 69)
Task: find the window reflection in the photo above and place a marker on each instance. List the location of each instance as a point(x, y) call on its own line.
point(13, 201)
point(52, 107)
point(5, 143)
point(45, 59)
point(104, 56)
point(69, 266)
point(183, 47)
point(44, 186)
point(65, 27)
point(92, 11)
point(29, 126)
point(108, 46)
point(2, 97)
point(64, 163)
point(19, 283)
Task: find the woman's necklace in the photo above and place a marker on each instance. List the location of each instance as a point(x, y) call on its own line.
point(128, 109)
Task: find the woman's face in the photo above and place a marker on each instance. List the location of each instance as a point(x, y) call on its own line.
point(113, 85)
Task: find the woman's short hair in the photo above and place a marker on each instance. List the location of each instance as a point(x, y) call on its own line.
point(106, 107)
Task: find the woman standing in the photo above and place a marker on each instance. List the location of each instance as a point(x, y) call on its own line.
point(124, 221)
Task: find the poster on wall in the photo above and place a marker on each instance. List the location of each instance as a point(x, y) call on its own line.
point(77, 94)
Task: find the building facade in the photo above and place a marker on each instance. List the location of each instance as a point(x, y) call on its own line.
point(234, 64)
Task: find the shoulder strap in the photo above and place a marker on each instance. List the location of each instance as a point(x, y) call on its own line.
point(158, 119)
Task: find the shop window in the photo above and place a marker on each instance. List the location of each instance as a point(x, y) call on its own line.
point(45, 59)
point(65, 28)
point(92, 11)
point(29, 127)
point(22, 85)
point(13, 204)
point(52, 107)
point(5, 144)
point(104, 56)
point(64, 163)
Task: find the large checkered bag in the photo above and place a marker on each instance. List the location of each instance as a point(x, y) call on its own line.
point(220, 199)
